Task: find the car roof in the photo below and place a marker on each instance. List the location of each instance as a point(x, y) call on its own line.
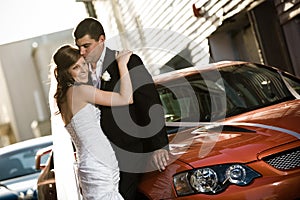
point(26, 143)
point(168, 76)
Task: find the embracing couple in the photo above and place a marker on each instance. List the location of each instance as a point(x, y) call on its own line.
point(110, 107)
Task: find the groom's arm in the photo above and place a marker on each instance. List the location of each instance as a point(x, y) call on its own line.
point(147, 98)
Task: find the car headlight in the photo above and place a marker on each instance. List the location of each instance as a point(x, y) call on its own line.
point(204, 180)
point(213, 179)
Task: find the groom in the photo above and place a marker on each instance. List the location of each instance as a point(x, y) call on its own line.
point(132, 130)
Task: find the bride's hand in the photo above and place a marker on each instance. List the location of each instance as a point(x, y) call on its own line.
point(123, 57)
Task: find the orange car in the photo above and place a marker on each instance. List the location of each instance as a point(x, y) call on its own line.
point(233, 131)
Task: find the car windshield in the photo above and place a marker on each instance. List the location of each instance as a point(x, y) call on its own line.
point(20, 162)
point(217, 94)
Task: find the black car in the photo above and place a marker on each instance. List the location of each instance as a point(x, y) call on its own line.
point(18, 175)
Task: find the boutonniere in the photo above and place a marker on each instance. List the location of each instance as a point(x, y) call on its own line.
point(105, 76)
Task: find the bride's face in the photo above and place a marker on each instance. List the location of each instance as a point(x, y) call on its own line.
point(79, 71)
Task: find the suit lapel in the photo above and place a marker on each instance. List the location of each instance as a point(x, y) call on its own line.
point(109, 58)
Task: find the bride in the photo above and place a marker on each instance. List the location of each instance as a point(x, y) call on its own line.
point(98, 170)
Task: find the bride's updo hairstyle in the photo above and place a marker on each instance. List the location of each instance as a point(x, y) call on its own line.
point(64, 58)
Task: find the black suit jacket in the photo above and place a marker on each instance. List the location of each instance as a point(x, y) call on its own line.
point(133, 128)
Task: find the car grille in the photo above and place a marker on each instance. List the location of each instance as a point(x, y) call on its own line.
point(285, 160)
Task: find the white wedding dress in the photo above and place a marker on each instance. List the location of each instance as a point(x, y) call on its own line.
point(98, 170)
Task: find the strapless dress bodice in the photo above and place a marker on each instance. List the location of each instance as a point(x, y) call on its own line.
point(98, 170)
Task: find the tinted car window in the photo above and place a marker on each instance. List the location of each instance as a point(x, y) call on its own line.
point(19, 163)
point(293, 82)
point(216, 94)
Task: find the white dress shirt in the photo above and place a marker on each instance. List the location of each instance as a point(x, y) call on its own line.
point(96, 74)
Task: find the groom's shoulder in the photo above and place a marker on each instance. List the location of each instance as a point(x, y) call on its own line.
point(134, 57)
point(110, 51)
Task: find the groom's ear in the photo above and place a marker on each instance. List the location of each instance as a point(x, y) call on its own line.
point(102, 38)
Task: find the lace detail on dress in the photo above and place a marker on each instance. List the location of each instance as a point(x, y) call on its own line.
point(97, 164)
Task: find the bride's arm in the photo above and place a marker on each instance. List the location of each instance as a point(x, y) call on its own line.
point(106, 98)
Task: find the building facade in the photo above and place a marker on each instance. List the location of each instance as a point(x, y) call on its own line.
point(174, 34)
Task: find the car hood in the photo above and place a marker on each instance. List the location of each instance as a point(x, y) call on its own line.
point(23, 183)
point(238, 139)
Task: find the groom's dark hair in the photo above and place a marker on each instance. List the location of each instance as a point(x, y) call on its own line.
point(89, 26)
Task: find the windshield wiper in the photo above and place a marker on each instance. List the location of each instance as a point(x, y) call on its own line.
point(236, 110)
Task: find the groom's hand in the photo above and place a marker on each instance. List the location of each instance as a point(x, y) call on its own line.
point(160, 159)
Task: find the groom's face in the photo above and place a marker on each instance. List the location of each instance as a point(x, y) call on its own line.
point(90, 49)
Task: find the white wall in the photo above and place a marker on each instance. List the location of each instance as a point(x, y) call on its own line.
point(159, 30)
point(25, 73)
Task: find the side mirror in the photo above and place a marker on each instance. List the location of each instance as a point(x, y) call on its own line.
point(41, 157)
